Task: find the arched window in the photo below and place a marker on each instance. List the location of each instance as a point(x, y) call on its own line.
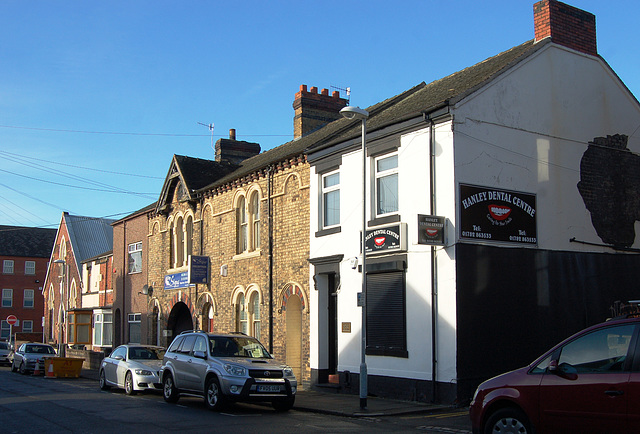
point(254, 314)
point(188, 235)
point(241, 315)
point(242, 230)
point(73, 295)
point(62, 253)
point(255, 221)
point(179, 240)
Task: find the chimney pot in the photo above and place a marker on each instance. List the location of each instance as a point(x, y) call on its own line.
point(313, 110)
point(232, 134)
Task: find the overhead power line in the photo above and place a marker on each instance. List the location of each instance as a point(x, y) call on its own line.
point(128, 133)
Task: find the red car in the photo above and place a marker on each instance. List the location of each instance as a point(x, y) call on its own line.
point(589, 383)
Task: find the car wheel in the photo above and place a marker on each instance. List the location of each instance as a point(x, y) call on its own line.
point(213, 394)
point(103, 381)
point(508, 420)
point(169, 390)
point(284, 405)
point(23, 370)
point(128, 384)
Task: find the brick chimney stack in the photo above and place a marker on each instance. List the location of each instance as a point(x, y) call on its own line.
point(566, 25)
point(235, 151)
point(314, 110)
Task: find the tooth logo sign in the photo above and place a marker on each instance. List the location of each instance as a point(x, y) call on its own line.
point(432, 232)
point(379, 240)
point(499, 212)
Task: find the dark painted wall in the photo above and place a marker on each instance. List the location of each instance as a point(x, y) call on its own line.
point(515, 303)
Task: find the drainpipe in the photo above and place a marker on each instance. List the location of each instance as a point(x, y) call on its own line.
point(125, 317)
point(434, 283)
point(270, 230)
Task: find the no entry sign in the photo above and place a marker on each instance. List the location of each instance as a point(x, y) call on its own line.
point(12, 319)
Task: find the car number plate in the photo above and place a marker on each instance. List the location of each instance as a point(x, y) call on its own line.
point(268, 388)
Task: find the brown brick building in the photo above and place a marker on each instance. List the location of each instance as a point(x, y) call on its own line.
point(248, 213)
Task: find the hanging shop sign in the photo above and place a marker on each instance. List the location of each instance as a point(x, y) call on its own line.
point(198, 269)
point(386, 239)
point(494, 215)
point(176, 280)
point(432, 230)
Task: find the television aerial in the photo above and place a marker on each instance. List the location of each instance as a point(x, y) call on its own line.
point(210, 126)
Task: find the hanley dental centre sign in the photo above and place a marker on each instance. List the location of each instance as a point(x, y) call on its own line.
point(494, 215)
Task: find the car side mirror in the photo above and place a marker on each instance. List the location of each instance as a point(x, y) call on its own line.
point(120, 358)
point(200, 355)
point(563, 370)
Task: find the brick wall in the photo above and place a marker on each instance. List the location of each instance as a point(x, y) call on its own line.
point(566, 25)
point(215, 219)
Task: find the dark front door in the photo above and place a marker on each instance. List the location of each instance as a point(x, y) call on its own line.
point(332, 335)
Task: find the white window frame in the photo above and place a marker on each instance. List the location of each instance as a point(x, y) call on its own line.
point(325, 192)
point(29, 295)
point(8, 266)
point(5, 329)
point(135, 320)
point(27, 326)
point(7, 297)
point(254, 216)
point(135, 257)
point(103, 328)
point(242, 226)
point(379, 176)
point(30, 268)
point(242, 323)
point(254, 314)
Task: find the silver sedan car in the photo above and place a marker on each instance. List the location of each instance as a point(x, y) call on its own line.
point(30, 354)
point(132, 367)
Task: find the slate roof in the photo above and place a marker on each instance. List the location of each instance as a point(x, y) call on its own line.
point(89, 236)
point(198, 173)
point(26, 242)
point(409, 104)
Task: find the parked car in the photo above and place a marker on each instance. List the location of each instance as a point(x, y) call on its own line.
point(590, 382)
point(6, 353)
point(25, 359)
point(132, 368)
point(226, 368)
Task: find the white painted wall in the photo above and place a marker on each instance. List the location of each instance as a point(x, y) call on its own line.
point(527, 131)
point(413, 162)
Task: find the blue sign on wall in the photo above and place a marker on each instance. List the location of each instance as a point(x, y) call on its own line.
point(177, 280)
point(198, 269)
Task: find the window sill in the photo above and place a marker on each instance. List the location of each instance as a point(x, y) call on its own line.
point(330, 231)
point(247, 255)
point(387, 352)
point(178, 269)
point(384, 220)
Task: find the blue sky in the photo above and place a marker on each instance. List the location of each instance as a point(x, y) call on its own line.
point(96, 97)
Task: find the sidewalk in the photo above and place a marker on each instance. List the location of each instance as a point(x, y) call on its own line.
point(342, 404)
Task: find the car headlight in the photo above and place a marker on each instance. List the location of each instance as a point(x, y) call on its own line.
point(238, 371)
point(143, 372)
point(288, 372)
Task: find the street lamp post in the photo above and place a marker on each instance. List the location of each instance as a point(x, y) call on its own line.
point(357, 113)
point(61, 346)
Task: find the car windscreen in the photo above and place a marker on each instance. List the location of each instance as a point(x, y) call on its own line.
point(4, 346)
point(143, 353)
point(39, 349)
point(225, 346)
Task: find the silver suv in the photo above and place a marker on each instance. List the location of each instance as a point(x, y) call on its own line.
point(225, 368)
